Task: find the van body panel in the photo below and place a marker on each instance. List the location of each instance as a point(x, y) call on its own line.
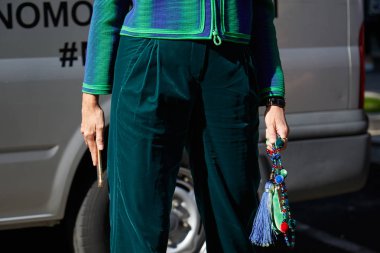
point(319, 51)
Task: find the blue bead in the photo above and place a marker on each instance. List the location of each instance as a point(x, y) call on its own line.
point(279, 179)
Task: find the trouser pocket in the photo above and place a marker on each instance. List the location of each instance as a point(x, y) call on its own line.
point(129, 53)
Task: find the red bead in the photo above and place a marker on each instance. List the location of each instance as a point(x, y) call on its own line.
point(284, 227)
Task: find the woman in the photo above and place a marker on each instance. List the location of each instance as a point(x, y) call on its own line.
point(191, 74)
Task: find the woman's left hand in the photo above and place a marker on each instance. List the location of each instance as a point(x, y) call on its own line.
point(276, 124)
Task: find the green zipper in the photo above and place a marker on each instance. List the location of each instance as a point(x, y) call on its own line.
point(215, 35)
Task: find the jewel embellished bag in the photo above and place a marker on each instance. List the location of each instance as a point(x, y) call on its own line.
point(273, 217)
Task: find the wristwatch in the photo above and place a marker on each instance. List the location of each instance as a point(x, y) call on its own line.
point(278, 101)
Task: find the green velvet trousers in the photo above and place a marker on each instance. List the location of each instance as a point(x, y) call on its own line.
point(174, 94)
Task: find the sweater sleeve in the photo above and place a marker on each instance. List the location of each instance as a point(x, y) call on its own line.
point(265, 53)
point(103, 39)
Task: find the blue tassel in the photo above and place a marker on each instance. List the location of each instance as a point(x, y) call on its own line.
point(262, 233)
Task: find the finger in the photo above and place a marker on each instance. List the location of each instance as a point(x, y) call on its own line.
point(271, 136)
point(94, 152)
point(90, 141)
point(283, 132)
point(285, 140)
point(99, 137)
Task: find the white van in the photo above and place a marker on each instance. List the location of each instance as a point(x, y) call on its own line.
point(46, 174)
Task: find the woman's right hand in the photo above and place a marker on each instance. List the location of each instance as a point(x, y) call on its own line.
point(92, 124)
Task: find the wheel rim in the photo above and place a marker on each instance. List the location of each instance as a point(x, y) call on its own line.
point(186, 232)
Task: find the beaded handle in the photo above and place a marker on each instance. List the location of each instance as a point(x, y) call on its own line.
point(277, 177)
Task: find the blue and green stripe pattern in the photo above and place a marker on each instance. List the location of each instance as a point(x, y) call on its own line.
point(240, 21)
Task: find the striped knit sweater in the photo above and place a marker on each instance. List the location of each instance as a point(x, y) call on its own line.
point(241, 21)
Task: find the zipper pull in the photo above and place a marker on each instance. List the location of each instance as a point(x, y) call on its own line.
point(217, 40)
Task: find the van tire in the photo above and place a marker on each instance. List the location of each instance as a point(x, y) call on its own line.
point(91, 231)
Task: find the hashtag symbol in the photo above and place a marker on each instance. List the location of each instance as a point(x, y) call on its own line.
point(68, 54)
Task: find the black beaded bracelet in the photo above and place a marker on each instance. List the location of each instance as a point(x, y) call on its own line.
point(278, 101)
